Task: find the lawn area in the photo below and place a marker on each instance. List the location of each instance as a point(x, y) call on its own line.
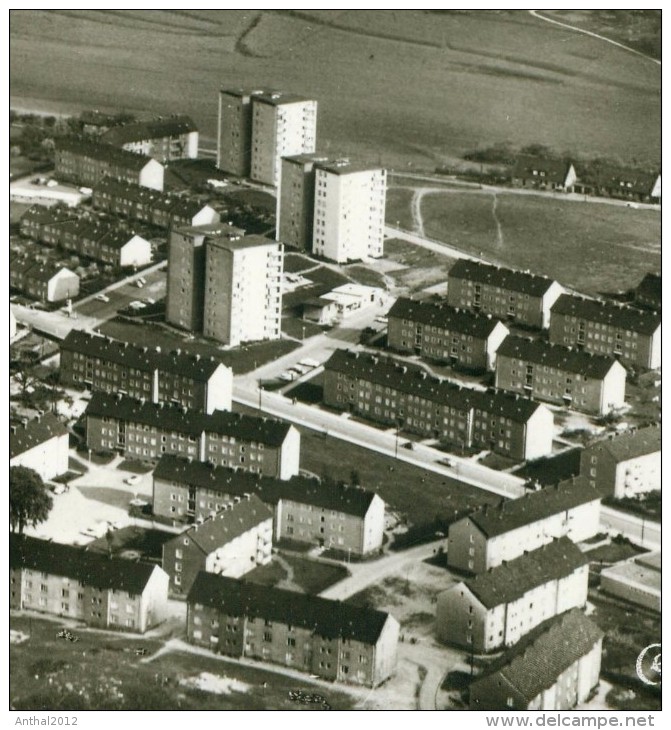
point(550, 470)
point(301, 328)
point(242, 359)
point(295, 262)
point(148, 543)
point(95, 457)
point(102, 672)
point(135, 466)
point(364, 275)
point(593, 247)
point(614, 552)
point(397, 210)
point(308, 576)
point(310, 391)
point(108, 495)
point(648, 505)
point(417, 267)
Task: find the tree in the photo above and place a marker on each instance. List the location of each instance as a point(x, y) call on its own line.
point(29, 500)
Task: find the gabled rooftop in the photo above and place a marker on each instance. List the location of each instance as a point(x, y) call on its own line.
point(519, 281)
point(105, 152)
point(326, 618)
point(152, 129)
point(440, 314)
point(530, 166)
point(617, 315)
point(626, 446)
point(89, 568)
point(24, 437)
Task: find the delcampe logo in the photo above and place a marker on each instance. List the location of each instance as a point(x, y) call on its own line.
point(649, 665)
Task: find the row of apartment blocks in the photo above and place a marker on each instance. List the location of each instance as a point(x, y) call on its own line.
point(144, 430)
point(333, 208)
point(46, 282)
point(138, 203)
point(164, 138)
point(173, 377)
point(333, 640)
point(397, 393)
point(87, 236)
point(257, 128)
point(601, 328)
point(84, 162)
point(225, 284)
point(338, 517)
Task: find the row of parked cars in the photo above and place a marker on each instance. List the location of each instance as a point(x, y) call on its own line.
point(302, 368)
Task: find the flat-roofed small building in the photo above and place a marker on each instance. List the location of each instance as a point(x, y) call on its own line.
point(497, 608)
point(624, 464)
point(561, 375)
point(606, 328)
point(332, 639)
point(638, 581)
point(511, 295)
point(557, 668)
point(491, 536)
point(437, 331)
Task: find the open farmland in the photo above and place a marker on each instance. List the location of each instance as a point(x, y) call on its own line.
point(410, 87)
point(593, 247)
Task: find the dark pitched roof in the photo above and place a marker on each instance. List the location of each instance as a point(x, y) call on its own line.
point(440, 314)
point(414, 380)
point(330, 619)
point(556, 356)
point(532, 507)
point(227, 524)
point(106, 152)
point(555, 169)
point(175, 418)
point(350, 500)
point(43, 215)
point(520, 281)
point(142, 358)
point(510, 581)
point(128, 191)
point(535, 663)
point(626, 179)
point(46, 272)
point(37, 431)
point(626, 446)
point(650, 287)
point(117, 238)
point(88, 567)
point(151, 129)
point(617, 315)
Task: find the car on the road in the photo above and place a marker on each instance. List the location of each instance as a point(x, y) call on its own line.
point(137, 305)
point(56, 488)
point(309, 362)
point(287, 375)
point(133, 479)
point(102, 298)
point(409, 445)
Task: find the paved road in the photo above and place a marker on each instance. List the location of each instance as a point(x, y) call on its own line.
point(639, 530)
point(536, 14)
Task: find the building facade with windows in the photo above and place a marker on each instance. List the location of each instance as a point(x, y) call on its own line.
point(556, 669)
point(515, 295)
point(497, 608)
point(164, 138)
point(334, 640)
point(561, 375)
point(77, 583)
point(86, 163)
point(44, 282)
point(439, 332)
point(405, 395)
point(144, 430)
point(339, 517)
point(231, 542)
point(41, 444)
point(624, 464)
point(234, 134)
point(544, 173)
point(493, 535)
point(101, 363)
point(648, 293)
point(605, 328)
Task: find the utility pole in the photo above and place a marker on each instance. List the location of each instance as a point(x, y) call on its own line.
point(260, 392)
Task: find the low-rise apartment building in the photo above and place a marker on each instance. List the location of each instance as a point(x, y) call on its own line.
point(497, 608)
point(556, 669)
point(84, 162)
point(627, 183)
point(344, 518)
point(437, 331)
point(165, 138)
point(163, 210)
point(334, 640)
point(648, 293)
point(101, 363)
point(231, 542)
point(606, 328)
point(41, 445)
point(510, 295)
point(544, 173)
point(405, 395)
point(44, 282)
point(77, 583)
point(561, 375)
point(624, 464)
point(493, 535)
point(144, 430)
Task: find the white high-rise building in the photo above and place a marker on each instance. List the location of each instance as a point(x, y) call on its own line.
point(243, 289)
point(282, 125)
point(349, 208)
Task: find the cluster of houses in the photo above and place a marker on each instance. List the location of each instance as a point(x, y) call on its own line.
point(44, 281)
point(546, 173)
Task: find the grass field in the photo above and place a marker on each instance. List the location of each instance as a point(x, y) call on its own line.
point(477, 77)
point(593, 247)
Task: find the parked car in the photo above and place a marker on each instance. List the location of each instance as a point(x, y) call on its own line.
point(287, 375)
point(309, 362)
point(102, 298)
point(133, 480)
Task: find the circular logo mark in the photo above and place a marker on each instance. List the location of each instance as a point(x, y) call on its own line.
point(649, 665)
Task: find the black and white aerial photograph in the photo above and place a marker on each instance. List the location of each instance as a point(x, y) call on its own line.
point(335, 364)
